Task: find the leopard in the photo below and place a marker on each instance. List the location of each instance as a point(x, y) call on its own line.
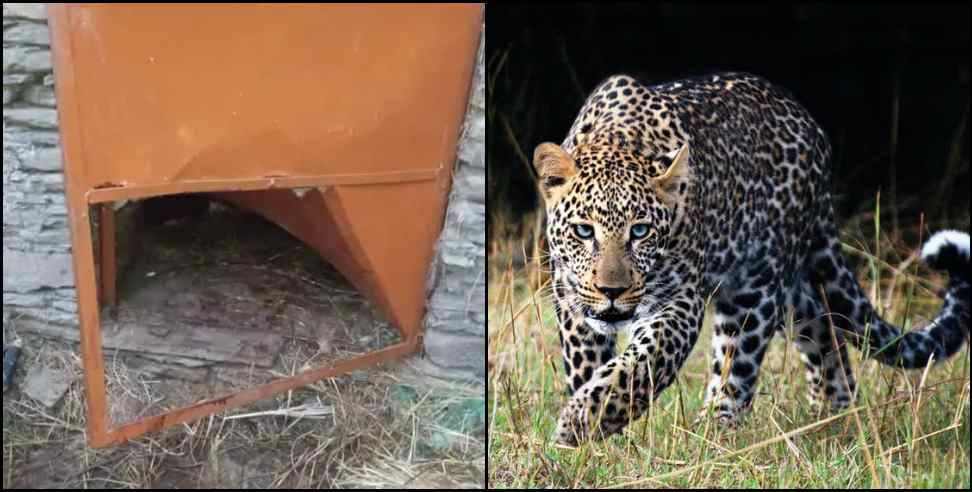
point(710, 192)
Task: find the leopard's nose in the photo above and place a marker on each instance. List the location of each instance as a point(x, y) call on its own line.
point(612, 293)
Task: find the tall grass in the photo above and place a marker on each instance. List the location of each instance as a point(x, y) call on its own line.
point(907, 429)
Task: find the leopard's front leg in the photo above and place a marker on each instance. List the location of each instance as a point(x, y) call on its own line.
point(583, 349)
point(621, 391)
point(601, 407)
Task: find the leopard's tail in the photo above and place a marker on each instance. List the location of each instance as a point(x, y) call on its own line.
point(851, 311)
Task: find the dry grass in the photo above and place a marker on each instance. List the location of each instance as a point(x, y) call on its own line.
point(908, 429)
point(369, 438)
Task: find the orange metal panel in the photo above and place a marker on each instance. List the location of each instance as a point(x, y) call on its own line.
point(208, 92)
point(106, 245)
point(361, 103)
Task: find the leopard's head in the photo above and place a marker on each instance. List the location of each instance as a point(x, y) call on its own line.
point(610, 212)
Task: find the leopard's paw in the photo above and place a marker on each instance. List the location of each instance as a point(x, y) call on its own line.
point(573, 426)
point(582, 420)
point(724, 419)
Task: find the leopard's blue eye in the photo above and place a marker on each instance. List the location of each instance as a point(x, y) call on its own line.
point(639, 231)
point(584, 231)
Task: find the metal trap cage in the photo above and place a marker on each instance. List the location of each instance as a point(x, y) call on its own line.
point(338, 123)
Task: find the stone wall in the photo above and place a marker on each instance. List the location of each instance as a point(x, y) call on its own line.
point(37, 274)
point(455, 338)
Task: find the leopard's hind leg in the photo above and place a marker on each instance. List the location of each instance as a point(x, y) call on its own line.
point(823, 350)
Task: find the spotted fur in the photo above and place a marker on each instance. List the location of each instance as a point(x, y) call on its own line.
point(662, 197)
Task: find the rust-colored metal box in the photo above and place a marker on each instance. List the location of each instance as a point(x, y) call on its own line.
point(337, 122)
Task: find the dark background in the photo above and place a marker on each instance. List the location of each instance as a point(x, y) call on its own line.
point(850, 66)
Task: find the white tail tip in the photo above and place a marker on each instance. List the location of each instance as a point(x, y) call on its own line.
point(940, 239)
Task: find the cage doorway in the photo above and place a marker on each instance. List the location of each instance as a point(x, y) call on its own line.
point(213, 299)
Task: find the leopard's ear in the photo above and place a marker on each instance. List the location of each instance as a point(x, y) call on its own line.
point(674, 183)
point(555, 168)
